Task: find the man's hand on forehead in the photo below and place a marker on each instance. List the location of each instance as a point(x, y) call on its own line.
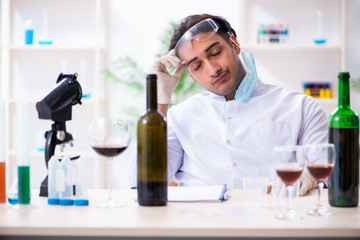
point(166, 82)
point(167, 61)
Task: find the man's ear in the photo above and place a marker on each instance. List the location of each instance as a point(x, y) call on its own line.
point(191, 75)
point(235, 43)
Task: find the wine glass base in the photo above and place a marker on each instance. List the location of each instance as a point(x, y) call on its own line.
point(110, 204)
point(320, 212)
point(289, 215)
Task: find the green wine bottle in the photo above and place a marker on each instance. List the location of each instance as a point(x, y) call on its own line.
point(344, 133)
point(152, 151)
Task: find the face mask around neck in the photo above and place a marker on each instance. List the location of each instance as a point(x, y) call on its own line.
point(247, 85)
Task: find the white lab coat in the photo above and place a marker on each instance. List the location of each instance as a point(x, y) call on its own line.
point(212, 141)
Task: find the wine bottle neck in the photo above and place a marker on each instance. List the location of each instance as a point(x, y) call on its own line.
point(344, 93)
point(151, 95)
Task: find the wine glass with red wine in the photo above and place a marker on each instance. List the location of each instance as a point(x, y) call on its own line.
point(288, 162)
point(109, 137)
point(320, 161)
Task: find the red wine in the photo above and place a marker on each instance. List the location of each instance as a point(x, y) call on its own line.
point(109, 150)
point(320, 172)
point(152, 193)
point(289, 175)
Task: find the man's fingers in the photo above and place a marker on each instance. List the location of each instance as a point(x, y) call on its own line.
point(177, 72)
point(170, 61)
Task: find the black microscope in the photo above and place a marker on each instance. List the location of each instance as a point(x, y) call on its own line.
point(57, 106)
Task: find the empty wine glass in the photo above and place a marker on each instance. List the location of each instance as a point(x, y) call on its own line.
point(109, 137)
point(288, 162)
point(320, 161)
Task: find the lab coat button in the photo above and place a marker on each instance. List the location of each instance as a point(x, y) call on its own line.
point(228, 141)
point(229, 117)
point(234, 164)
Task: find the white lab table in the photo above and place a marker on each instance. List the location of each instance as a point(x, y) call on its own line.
point(176, 220)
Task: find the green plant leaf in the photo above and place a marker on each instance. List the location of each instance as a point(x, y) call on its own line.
point(131, 75)
point(165, 39)
point(133, 115)
point(355, 84)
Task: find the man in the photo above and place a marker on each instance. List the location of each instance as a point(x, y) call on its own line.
point(230, 131)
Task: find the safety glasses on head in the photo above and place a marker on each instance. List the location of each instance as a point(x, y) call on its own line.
point(199, 32)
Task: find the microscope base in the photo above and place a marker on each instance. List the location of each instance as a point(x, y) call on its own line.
point(44, 188)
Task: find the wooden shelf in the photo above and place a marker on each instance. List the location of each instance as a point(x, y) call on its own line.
point(84, 101)
point(30, 66)
point(289, 47)
point(328, 100)
point(39, 155)
point(55, 48)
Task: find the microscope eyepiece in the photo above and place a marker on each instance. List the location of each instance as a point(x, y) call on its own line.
point(57, 104)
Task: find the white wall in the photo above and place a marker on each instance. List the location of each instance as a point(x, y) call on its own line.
point(135, 28)
point(353, 47)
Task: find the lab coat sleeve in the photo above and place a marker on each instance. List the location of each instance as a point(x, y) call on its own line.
point(175, 155)
point(314, 129)
point(132, 166)
point(175, 150)
point(315, 123)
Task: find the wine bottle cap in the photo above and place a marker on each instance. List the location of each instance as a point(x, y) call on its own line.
point(343, 75)
point(151, 77)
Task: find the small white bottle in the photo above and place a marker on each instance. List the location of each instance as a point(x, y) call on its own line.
point(55, 177)
point(29, 32)
point(82, 182)
point(66, 186)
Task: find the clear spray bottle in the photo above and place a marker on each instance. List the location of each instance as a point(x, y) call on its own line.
point(82, 181)
point(54, 180)
point(66, 188)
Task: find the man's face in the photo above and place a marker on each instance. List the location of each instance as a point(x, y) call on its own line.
point(214, 64)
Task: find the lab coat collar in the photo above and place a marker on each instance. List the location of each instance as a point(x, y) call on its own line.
point(253, 93)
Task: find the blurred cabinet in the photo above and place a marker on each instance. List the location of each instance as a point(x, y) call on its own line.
point(29, 72)
point(290, 64)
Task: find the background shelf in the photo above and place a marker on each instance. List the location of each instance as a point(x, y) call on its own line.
point(29, 73)
point(290, 47)
point(56, 48)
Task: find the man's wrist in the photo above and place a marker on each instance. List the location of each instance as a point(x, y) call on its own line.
point(163, 108)
point(164, 97)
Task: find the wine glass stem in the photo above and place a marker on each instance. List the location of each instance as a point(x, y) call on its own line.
point(320, 188)
point(110, 178)
point(288, 195)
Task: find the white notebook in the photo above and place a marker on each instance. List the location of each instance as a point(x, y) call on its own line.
point(216, 193)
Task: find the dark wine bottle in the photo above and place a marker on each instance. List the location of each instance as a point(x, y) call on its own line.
point(344, 133)
point(152, 151)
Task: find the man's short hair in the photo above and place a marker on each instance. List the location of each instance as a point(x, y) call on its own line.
point(191, 20)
